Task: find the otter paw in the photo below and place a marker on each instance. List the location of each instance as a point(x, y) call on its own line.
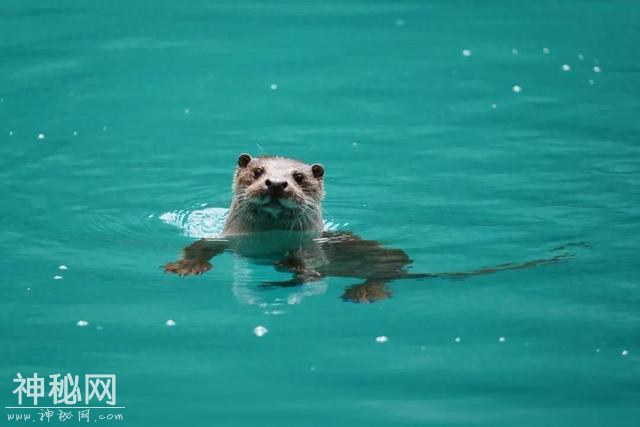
point(185, 267)
point(366, 293)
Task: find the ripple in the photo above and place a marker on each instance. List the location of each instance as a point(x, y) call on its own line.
point(208, 223)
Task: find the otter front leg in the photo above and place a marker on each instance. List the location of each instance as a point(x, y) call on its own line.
point(195, 257)
point(368, 292)
point(295, 263)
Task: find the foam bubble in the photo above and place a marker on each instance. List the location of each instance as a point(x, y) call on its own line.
point(56, 277)
point(63, 267)
point(466, 52)
point(382, 339)
point(274, 86)
point(399, 22)
point(41, 136)
point(494, 106)
point(187, 110)
point(82, 323)
point(260, 331)
point(457, 339)
point(566, 67)
point(170, 322)
point(581, 57)
point(514, 51)
point(596, 69)
point(625, 352)
point(517, 88)
point(545, 50)
point(502, 339)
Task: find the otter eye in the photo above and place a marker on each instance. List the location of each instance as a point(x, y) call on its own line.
point(298, 177)
point(257, 173)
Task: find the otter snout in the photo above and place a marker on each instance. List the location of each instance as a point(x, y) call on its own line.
point(275, 188)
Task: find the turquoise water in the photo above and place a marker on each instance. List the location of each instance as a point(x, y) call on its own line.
point(143, 109)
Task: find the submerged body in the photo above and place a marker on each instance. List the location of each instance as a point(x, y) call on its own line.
point(276, 218)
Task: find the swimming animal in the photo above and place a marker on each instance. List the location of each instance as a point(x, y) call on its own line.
point(276, 218)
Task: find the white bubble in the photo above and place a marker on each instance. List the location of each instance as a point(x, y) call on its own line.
point(312, 368)
point(355, 144)
point(63, 267)
point(399, 22)
point(545, 50)
point(494, 106)
point(187, 111)
point(502, 339)
point(591, 81)
point(28, 289)
point(150, 216)
point(104, 127)
point(596, 69)
point(170, 322)
point(82, 323)
point(566, 67)
point(382, 339)
point(75, 133)
point(597, 350)
point(466, 52)
point(625, 352)
point(273, 86)
point(517, 88)
point(57, 277)
point(514, 51)
point(41, 136)
point(581, 57)
point(260, 331)
point(99, 328)
point(10, 133)
point(458, 339)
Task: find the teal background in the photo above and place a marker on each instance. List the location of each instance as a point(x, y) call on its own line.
point(164, 95)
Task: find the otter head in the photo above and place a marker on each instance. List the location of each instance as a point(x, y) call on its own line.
point(282, 189)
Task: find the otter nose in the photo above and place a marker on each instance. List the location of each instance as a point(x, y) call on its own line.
point(276, 188)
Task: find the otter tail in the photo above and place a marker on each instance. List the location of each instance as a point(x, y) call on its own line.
point(563, 254)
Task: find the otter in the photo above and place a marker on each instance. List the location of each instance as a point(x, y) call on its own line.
point(276, 218)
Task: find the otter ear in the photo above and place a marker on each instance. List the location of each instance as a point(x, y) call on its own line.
point(244, 160)
point(318, 170)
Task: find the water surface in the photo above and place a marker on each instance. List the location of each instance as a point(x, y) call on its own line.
point(121, 124)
